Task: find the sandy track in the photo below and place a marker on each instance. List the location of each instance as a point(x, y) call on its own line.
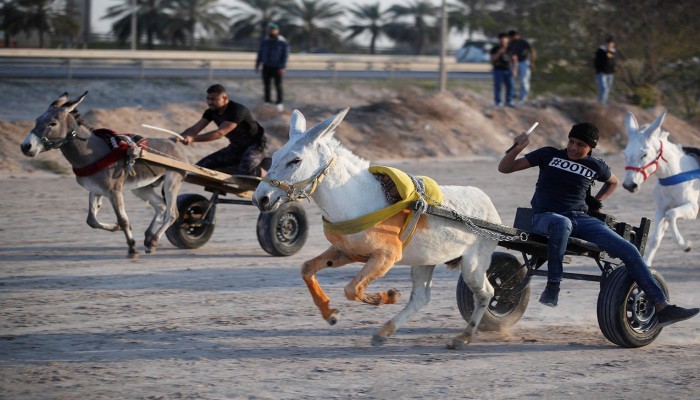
point(80, 321)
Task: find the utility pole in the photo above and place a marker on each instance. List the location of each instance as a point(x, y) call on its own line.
point(133, 24)
point(443, 47)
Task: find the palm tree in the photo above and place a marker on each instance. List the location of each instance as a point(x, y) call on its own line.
point(421, 11)
point(37, 16)
point(198, 14)
point(252, 17)
point(367, 18)
point(149, 20)
point(469, 16)
point(11, 20)
point(312, 23)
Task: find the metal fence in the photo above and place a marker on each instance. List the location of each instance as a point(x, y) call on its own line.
point(69, 63)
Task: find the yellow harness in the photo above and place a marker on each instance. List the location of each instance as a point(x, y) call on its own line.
point(421, 188)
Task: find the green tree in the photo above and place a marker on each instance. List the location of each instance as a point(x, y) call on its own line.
point(368, 18)
point(470, 16)
point(423, 28)
point(197, 15)
point(11, 20)
point(252, 16)
point(150, 20)
point(312, 23)
point(37, 17)
point(65, 25)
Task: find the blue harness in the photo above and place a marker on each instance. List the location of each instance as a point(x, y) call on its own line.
point(680, 178)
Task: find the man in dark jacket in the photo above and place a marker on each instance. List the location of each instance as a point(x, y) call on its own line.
point(604, 64)
point(273, 55)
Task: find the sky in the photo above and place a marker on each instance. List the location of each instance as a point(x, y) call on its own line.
point(99, 9)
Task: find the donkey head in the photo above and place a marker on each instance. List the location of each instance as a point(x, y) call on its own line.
point(299, 165)
point(643, 151)
point(52, 128)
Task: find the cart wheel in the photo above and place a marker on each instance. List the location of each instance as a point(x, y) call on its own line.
point(509, 301)
point(625, 315)
point(283, 232)
point(191, 229)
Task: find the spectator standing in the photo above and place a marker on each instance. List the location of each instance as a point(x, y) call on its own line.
point(526, 56)
point(502, 61)
point(604, 63)
point(273, 55)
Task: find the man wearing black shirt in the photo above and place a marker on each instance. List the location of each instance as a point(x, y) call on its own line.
point(246, 150)
point(502, 62)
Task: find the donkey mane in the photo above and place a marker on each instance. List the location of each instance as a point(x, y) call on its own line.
point(81, 121)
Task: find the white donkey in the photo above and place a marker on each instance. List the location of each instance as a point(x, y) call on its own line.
point(313, 163)
point(677, 191)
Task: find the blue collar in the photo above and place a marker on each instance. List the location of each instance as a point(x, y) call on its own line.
point(680, 178)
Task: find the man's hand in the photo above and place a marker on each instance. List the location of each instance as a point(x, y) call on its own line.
point(282, 71)
point(187, 140)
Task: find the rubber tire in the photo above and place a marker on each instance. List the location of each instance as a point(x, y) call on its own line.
point(180, 234)
point(283, 232)
point(625, 315)
point(501, 314)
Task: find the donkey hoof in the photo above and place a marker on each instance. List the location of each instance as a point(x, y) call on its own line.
point(688, 248)
point(333, 318)
point(393, 296)
point(378, 340)
point(456, 344)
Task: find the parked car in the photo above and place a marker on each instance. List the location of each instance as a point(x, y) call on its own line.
point(474, 52)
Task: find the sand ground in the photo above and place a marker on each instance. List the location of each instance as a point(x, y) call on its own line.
point(227, 321)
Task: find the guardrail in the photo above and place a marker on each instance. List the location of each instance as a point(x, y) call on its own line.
point(69, 63)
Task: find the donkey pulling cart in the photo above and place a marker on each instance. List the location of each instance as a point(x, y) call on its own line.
point(282, 232)
point(626, 317)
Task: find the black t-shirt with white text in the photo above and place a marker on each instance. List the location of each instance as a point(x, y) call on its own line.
point(562, 183)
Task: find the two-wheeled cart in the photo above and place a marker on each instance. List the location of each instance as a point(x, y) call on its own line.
point(282, 232)
point(626, 315)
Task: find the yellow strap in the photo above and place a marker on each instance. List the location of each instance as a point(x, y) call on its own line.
point(368, 220)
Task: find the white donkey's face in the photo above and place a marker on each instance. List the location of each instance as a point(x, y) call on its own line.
point(303, 157)
point(642, 151)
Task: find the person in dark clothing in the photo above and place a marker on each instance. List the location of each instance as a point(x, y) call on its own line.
point(560, 211)
point(247, 148)
point(502, 62)
point(273, 55)
point(604, 64)
point(525, 56)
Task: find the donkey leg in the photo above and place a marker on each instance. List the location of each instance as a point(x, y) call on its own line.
point(332, 258)
point(94, 205)
point(376, 267)
point(474, 264)
point(658, 230)
point(422, 277)
point(149, 195)
point(686, 211)
point(117, 200)
point(171, 188)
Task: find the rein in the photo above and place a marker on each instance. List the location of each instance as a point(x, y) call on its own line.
point(298, 190)
point(655, 163)
point(50, 145)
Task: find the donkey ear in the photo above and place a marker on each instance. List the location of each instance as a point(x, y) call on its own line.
point(297, 125)
point(326, 127)
point(655, 126)
point(60, 101)
point(73, 104)
point(631, 124)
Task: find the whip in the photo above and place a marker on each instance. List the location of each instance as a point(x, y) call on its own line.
point(528, 132)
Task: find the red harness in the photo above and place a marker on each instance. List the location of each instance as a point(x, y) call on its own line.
point(643, 169)
point(119, 143)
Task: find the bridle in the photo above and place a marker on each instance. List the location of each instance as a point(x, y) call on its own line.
point(298, 190)
point(55, 144)
point(655, 163)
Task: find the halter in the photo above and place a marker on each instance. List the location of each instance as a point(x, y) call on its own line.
point(643, 169)
point(298, 190)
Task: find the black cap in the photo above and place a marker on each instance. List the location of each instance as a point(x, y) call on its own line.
point(512, 33)
point(585, 132)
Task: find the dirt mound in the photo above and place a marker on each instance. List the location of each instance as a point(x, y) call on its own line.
point(408, 122)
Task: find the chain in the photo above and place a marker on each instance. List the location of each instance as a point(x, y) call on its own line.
point(489, 234)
